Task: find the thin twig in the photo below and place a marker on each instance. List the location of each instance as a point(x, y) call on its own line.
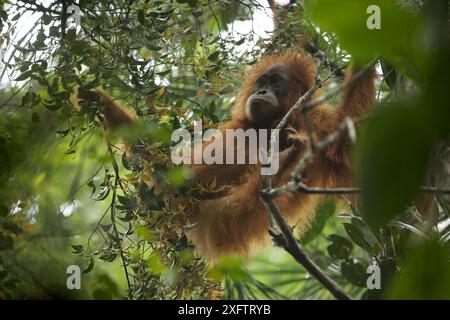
point(117, 183)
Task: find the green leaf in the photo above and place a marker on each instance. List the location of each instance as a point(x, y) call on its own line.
point(128, 217)
point(155, 264)
point(141, 17)
point(323, 212)
point(54, 31)
point(24, 76)
point(192, 3)
point(197, 13)
point(391, 160)
point(46, 19)
point(12, 227)
point(213, 56)
point(212, 106)
point(128, 203)
point(349, 21)
point(3, 274)
point(108, 257)
point(231, 267)
point(426, 274)
point(53, 106)
point(79, 47)
point(164, 73)
point(107, 227)
point(11, 284)
point(26, 99)
point(177, 176)
point(153, 47)
point(71, 35)
point(240, 41)
point(362, 236)
point(340, 248)
point(35, 117)
point(3, 210)
point(16, 17)
point(354, 272)
point(102, 195)
point(6, 242)
point(78, 248)
point(3, 15)
point(90, 266)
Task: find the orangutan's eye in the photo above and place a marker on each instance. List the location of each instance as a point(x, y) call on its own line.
point(277, 80)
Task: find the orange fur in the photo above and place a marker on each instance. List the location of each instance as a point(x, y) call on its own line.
point(237, 223)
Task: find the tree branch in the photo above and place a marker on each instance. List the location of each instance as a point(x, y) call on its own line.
point(287, 240)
